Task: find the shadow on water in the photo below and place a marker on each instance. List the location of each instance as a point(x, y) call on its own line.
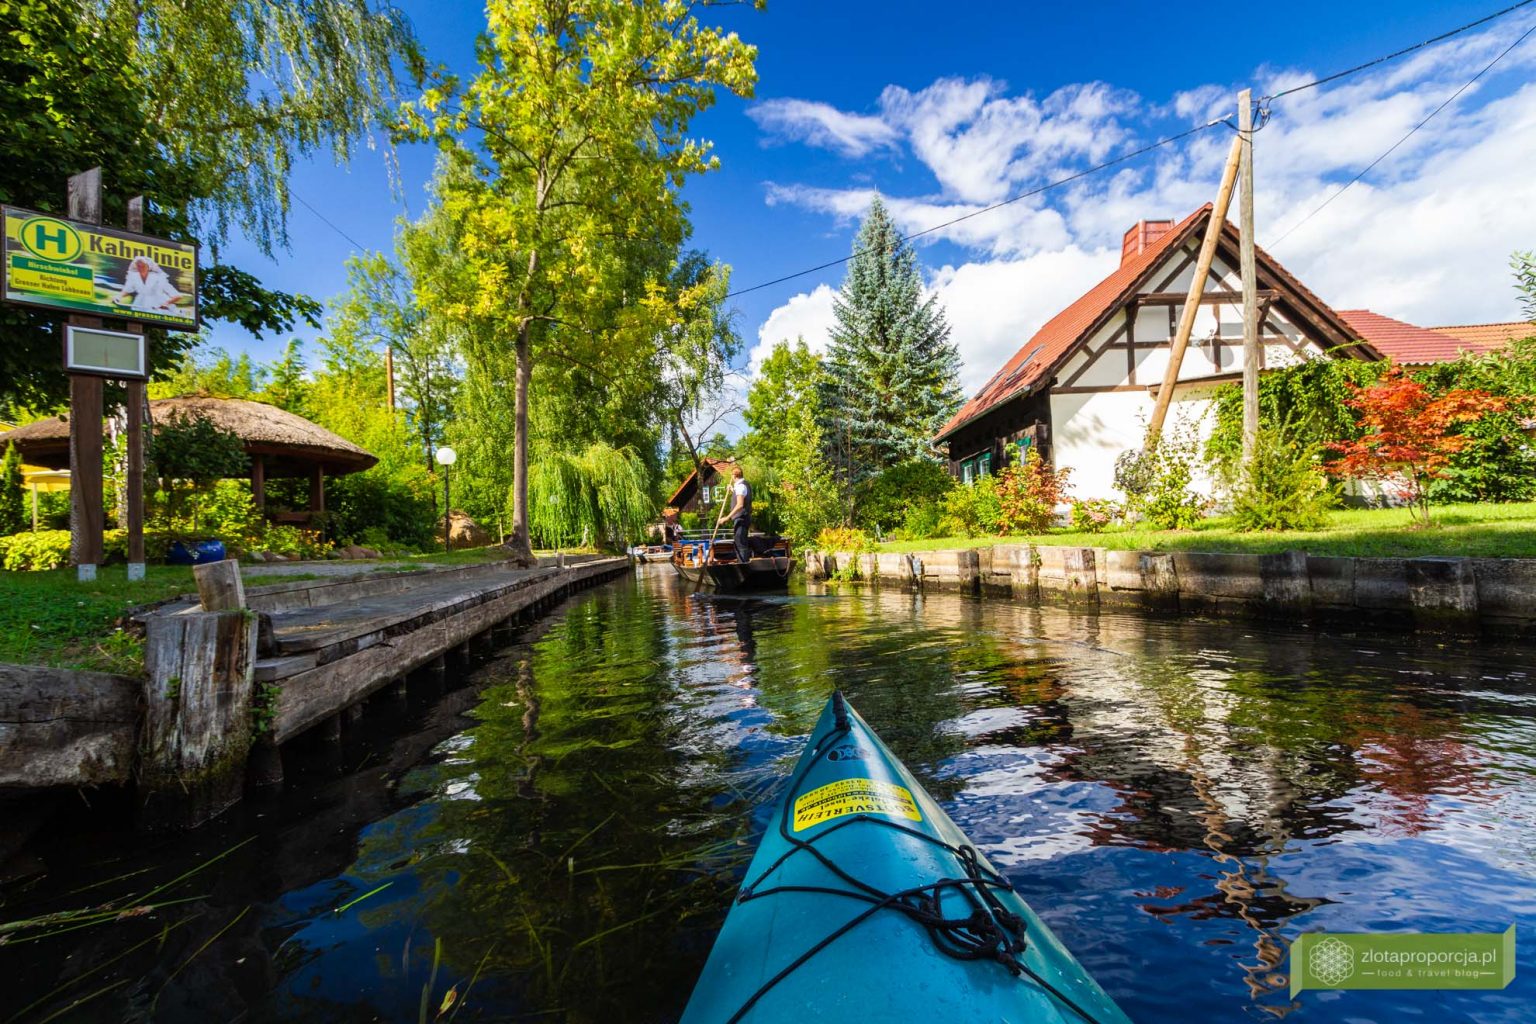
point(559, 838)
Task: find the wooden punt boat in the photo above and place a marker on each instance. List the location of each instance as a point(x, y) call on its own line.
point(704, 562)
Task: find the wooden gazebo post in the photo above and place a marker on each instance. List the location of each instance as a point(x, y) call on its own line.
point(259, 483)
point(317, 490)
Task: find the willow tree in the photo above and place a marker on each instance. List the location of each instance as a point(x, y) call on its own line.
point(203, 106)
point(581, 111)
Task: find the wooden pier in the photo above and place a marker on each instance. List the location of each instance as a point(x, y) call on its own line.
point(236, 674)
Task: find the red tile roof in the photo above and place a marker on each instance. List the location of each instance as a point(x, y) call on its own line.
point(1408, 343)
point(1492, 336)
point(1052, 342)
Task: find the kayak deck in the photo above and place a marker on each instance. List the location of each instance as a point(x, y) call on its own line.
point(865, 902)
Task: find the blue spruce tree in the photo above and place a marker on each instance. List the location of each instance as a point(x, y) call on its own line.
point(892, 374)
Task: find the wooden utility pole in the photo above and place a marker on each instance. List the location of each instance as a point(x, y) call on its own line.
point(389, 374)
point(1252, 354)
point(85, 410)
point(135, 407)
point(1213, 231)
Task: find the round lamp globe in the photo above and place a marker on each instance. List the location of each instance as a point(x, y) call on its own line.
point(446, 456)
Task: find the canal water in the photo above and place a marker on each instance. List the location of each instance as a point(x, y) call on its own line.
point(559, 839)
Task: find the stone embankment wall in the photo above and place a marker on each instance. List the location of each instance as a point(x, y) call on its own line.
point(1448, 593)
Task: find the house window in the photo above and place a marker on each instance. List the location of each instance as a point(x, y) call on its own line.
point(984, 464)
point(704, 495)
point(968, 471)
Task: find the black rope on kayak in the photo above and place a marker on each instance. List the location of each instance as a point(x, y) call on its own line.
point(989, 932)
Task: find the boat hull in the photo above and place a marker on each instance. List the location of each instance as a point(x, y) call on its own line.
point(758, 574)
point(860, 809)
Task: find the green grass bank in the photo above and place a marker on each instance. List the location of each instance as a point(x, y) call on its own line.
point(1482, 531)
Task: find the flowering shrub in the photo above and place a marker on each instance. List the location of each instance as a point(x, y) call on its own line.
point(1028, 494)
point(1092, 515)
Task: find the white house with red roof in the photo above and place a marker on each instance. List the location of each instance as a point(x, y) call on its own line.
point(1083, 388)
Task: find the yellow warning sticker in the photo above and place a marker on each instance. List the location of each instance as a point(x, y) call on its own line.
point(854, 796)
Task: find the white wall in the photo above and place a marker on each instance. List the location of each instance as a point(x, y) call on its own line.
point(1090, 431)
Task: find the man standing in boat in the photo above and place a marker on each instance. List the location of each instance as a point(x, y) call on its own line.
point(740, 514)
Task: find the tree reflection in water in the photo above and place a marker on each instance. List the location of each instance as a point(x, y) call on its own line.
point(1178, 798)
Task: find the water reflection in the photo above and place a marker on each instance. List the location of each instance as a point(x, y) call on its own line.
point(560, 839)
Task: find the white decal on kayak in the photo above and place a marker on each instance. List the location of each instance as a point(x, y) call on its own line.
point(854, 796)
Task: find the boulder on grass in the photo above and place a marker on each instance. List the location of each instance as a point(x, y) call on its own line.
point(464, 532)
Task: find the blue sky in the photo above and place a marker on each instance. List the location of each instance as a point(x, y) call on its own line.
point(944, 108)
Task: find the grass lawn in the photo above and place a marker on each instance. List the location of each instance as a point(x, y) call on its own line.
point(47, 618)
point(1495, 531)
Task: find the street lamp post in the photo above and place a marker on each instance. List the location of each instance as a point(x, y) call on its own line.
point(446, 457)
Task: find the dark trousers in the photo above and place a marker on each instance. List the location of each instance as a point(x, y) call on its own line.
point(739, 534)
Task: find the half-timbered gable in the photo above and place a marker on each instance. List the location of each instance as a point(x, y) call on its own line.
point(1083, 388)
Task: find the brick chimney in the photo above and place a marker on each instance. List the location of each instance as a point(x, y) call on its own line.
point(1141, 236)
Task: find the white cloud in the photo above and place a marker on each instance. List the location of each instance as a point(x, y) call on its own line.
point(823, 125)
point(807, 315)
point(995, 306)
point(1425, 236)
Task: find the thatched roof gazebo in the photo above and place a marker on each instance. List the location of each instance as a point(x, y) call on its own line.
point(280, 443)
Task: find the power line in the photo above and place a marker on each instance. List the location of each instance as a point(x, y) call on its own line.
point(1451, 99)
point(995, 206)
point(1405, 50)
point(326, 221)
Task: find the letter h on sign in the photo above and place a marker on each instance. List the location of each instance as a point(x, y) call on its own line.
point(44, 239)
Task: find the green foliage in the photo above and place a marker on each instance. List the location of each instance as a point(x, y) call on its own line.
point(883, 501)
point(196, 450)
point(202, 106)
point(1523, 264)
point(13, 496)
point(1156, 480)
point(975, 510)
point(1093, 515)
point(1497, 460)
point(282, 539)
point(1304, 402)
point(379, 310)
point(787, 389)
point(230, 294)
point(1284, 488)
point(808, 496)
point(893, 375)
point(599, 496)
point(921, 521)
point(31, 552)
point(565, 214)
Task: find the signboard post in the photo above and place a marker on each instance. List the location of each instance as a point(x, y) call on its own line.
point(93, 273)
point(86, 513)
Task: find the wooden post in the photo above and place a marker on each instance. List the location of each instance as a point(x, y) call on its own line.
point(1213, 231)
point(85, 410)
point(1251, 351)
point(219, 586)
point(259, 483)
point(134, 405)
point(317, 490)
point(197, 717)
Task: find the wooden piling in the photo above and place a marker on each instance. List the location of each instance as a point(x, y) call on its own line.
point(197, 721)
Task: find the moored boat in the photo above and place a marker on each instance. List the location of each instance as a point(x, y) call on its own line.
point(708, 562)
point(865, 902)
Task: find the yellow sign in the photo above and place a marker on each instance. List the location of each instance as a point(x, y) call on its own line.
point(854, 796)
point(98, 271)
